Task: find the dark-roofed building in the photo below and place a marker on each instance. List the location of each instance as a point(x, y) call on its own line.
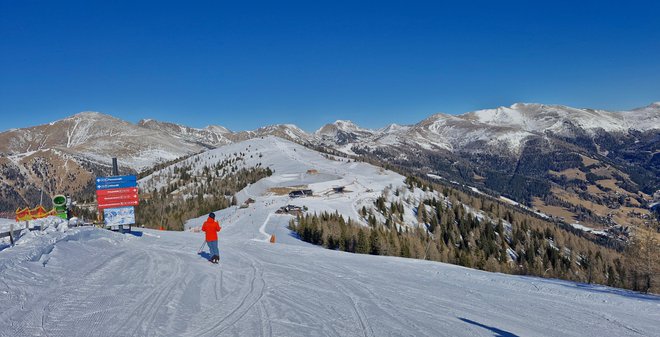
point(290, 209)
point(300, 193)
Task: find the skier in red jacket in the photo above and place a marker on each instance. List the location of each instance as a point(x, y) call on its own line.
point(211, 228)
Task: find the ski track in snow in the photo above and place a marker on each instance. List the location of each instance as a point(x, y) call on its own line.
point(92, 282)
point(156, 285)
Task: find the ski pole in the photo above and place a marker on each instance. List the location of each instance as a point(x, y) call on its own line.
point(200, 247)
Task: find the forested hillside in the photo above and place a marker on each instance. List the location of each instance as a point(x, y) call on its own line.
point(482, 233)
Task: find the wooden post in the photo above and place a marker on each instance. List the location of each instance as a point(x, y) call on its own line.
point(11, 233)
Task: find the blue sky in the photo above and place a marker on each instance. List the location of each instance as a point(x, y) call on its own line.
point(247, 64)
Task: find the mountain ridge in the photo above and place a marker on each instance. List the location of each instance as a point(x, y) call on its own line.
point(485, 148)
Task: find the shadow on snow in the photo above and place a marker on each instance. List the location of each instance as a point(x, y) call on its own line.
point(498, 332)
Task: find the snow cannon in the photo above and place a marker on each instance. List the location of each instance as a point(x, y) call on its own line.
point(59, 204)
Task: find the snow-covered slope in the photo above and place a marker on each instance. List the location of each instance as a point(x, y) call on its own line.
point(90, 281)
point(296, 166)
point(455, 132)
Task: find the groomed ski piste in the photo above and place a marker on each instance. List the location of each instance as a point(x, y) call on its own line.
point(93, 282)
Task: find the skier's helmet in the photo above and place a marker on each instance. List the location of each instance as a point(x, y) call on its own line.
point(212, 215)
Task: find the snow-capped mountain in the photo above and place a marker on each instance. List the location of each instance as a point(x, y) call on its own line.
point(456, 133)
point(212, 135)
point(98, 137)
point(64, 156)
point(540, 118)
point(393, 128)
point(437, 132)
point(286, 131)
point(342, 132)
point(500, 128)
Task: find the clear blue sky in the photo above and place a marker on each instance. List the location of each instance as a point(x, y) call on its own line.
point(244, 64)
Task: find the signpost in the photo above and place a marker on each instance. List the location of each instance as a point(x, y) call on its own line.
point(118, 182)
point(117, 191)
point(116, 196)
point(115, 217)
point(116, 179)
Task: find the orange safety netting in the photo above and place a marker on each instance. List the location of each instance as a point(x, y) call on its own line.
point(35, 213)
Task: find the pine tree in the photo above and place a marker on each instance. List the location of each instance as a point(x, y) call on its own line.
point(375, 242)
point(421, 213)
point(362, 243)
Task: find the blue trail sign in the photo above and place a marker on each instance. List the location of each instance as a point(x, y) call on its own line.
point(106, 183)
point(116, 179)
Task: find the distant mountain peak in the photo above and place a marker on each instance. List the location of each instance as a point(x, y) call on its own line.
point(347, 126)
point(539, 105)
point(91, 115)
point(393, 128)
point(439, 116)
point(344, 122)
point(519, 105)
point(280, 126)
point(217, 129)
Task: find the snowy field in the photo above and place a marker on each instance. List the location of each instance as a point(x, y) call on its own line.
point(93, 282)
point(48, 224)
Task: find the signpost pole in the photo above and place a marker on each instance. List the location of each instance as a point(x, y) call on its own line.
point(115, 167)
